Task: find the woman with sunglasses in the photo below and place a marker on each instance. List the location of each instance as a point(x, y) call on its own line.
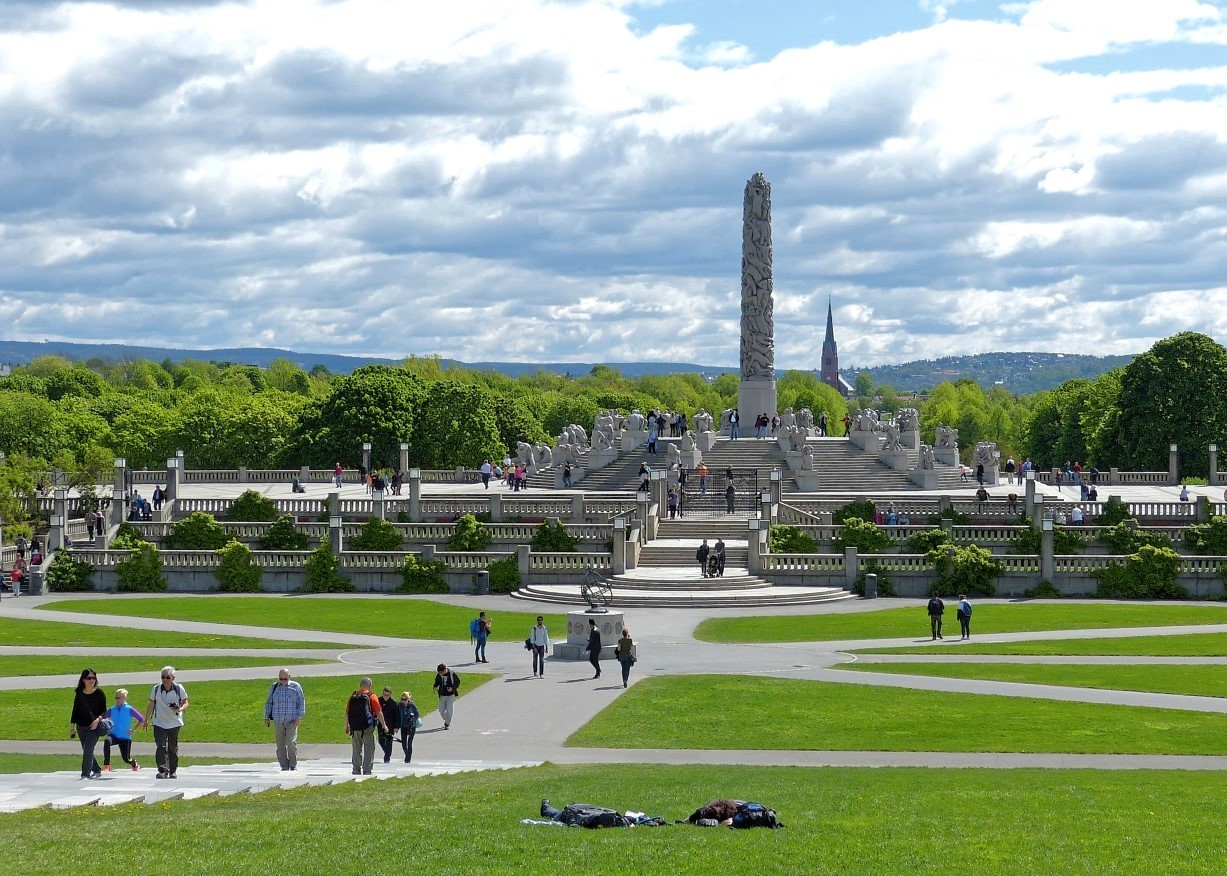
point(89, 706)
point(409, 717)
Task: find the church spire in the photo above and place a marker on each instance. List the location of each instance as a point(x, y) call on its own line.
point(830, 338)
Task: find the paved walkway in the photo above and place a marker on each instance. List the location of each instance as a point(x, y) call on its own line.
point(517, 719)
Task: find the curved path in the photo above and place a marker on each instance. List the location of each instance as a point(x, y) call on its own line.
point(518, 719)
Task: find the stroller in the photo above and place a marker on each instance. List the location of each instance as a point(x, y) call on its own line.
point(712, 567)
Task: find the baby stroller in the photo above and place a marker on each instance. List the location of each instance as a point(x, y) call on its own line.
point(712, 567)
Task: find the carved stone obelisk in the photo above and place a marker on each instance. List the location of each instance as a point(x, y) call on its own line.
point(756, 392)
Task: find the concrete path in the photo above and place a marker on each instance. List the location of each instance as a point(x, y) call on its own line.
point(518, 719)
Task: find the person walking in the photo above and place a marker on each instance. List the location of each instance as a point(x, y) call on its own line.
point(964, 616)
point(730, 497)
point(539, 642)
point(390, 708)
point(701, 555)
point(936, 609)
point(410, 720)
point(624, 651)
point(703, 478)
point(479, 628)
point(89, 708)
point(447, 683)
point(362, 716)
point(337, 472)
point(594, 646)
point(734, 424)
point(719, 551)
point(284, 708)
point(122, 716)
point(486, 471)
point(167, 703)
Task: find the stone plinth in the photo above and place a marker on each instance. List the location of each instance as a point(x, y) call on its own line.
point(871, 441)
point(754, 397)
point(632, 438)
point(576, 647)
point(793, 458)
point(691, 459)
point(992, 475)
point(946, 456)
point(807, 481)
point(895, 459)
point(924, 478)
point(705, 441)
point(577, 475)
point(910, 439)
point(598, 459)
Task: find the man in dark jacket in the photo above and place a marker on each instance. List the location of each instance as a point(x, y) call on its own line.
point(936, 609)
point(594, 647)
point(701, 555)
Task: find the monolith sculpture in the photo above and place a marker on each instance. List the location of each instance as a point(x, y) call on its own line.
point(756, 393)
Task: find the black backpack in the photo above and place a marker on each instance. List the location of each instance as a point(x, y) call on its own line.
point(359, 711)
point(755, 815)
point(593, 817)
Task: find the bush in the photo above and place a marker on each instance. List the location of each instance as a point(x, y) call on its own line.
point(926, 540)
point(1114, 512)
point(552, 537)
point(1044, 590)
point(1125, 538)
point(378, 535)
point(957, 518)
point(969, 569)
point(867, 537)
point(1064, 542)
point(504, 575)
point(791, 540)
point(66, 575)
point(141, 571)
point(469, 535)
point(238, 572)
point(418, 576)
point(322, 572)
point(1151, 573)
point(283, 535)
point(864, 510)
point(1207, 539)
point(196, 532)
point(252, 507)
point(886, 587)
point(127, 537)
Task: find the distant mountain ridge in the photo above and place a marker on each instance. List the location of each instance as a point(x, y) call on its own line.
point(1020, 373)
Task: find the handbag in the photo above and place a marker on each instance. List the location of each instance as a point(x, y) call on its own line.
point(528, 643)
point(105, 726)
point(417, 723)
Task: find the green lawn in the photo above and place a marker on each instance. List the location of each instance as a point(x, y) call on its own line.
point(733, 712)
point(1202, 681)
point(384, 616)
point(55, 763)
point(18, 631)
point(230, 711)
point(869, 822)
point(20, 665)
point(893, 623)
point(1184, 645)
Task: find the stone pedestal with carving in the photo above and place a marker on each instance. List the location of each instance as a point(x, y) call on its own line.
point(793, 458)
point(598, 459)
point(705, 441)
point(577, 475)
point(992, 475)
point(807, 481)
point(576, 646)
point(910, 439)
point(691, 458)
point(946, 456)
point(924, 478)
point(632, 438)
point(895, 459)
point(866, 441)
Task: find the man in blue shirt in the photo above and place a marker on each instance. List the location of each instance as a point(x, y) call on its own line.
point(284, 709)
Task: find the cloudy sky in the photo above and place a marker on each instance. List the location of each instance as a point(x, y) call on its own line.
point(562, 181)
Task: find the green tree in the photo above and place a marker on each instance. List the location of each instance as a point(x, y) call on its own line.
point(252, 507)
point(237, 572)
point(141, 571)
point(455, 424)
point(199, 531)
point(283, 535)
point(376, 403)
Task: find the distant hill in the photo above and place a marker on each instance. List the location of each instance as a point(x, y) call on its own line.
point(1020, 373)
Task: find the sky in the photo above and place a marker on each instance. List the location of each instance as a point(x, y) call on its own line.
point(536, 181)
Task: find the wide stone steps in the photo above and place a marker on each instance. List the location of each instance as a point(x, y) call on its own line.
point(638, 597)
point(669, 557)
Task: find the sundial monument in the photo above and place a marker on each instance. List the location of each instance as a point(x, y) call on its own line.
point(756, 392)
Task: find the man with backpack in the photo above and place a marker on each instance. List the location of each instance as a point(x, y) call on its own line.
point(362, 716)
point(479, 629)
point(936, 609)
point(447, 683)
point(701, 555)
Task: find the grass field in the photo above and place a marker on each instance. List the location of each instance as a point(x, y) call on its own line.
point(230, 711)
point(387, 616)
point(18, 631)
point(19, 665)
point(839, 821)
point(1183, 645)
point(1202, 681)
point(912, 621)
point(735, 712)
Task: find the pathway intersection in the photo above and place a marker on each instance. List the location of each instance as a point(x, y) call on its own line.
point(518, 720)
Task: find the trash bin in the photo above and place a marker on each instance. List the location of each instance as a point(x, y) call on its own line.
point(482, 585)
point(871, 586)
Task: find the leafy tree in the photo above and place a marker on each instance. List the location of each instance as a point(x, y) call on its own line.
point(65, 574)
point(565, 410)
point(970, 569)
point(423, 576)
point(375, 403)
point(141, 571)
point(74, 381)
point(199, 531)
point(283, 535)
point(1151, 573)
point(237, 572)
point(284, 375)
point(378, 535)
point(504, 575)
point(469, 535)
point(251, 507)
point(146, 434)
point(323, 572)
point(864, 384)
point(1207, 539)
point(455, 424)
point(1175, 393)
point(552, 537)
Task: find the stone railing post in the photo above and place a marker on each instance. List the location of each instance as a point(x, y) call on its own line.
point(1213, 472)
point(1202, 511)
point(754, 541)
point(577, 508)
point(1037, 512)
point(1173, 465)
point(415, 495)
point(852, 567)
point(404, 457)
point(117, 508)
point(524, 561)
point(1048, 565)
point(377, 504)
point(496, 508)
point(121, 469)
point(58, 536)
point(1029, 495)
point(366, 455)
point(619, 546)
point(336, 534)
point(174, 477)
